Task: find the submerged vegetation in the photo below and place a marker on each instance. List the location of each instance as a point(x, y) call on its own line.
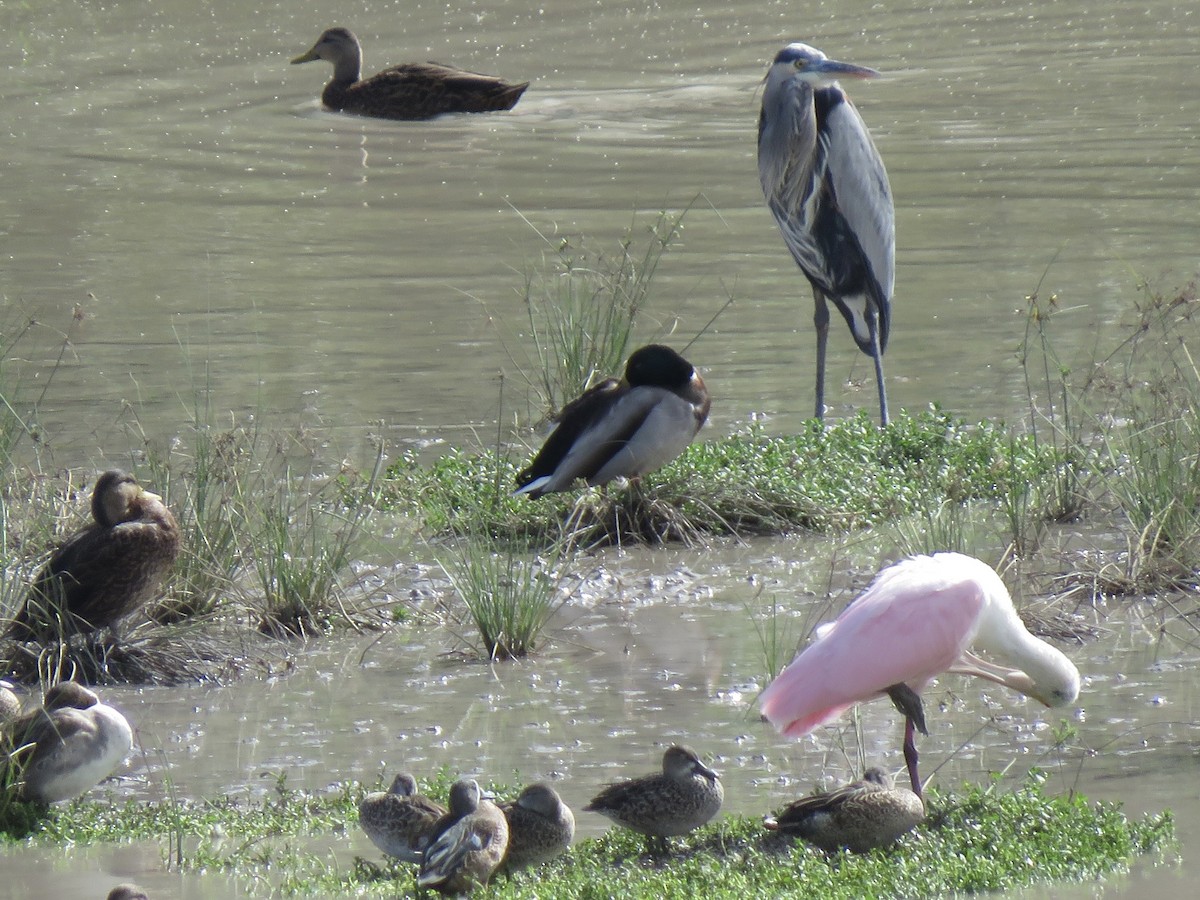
point(978, 840)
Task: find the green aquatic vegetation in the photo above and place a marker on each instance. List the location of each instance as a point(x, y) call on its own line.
point(509, 598)
point(848, 476)
point(581, 307)
point(979, 839)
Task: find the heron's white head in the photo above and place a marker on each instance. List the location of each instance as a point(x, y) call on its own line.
point(808, 64)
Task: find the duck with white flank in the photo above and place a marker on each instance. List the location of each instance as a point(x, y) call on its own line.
point(622, 429)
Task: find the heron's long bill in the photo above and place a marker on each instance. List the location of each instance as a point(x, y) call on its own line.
point(835, 69)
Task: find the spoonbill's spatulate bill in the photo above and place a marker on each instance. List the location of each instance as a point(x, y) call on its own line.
point(919, 618)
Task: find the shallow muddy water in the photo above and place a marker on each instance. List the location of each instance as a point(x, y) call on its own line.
point(168, 171)
point(653, 648)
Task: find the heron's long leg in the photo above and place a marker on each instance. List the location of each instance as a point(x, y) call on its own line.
point(821, 321)
point(877, 355)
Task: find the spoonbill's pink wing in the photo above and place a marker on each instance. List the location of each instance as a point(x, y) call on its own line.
point(911, 624)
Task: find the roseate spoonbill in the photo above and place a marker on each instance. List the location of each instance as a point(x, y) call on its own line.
point(67, 746)
point(108, 570)
point(398, 820)
point(622, 429)
point(920, 617)
point(680, 799)
point(540, 826)
point(859, 816)
point(827, 189)
point(468, 842)
point(407, 91)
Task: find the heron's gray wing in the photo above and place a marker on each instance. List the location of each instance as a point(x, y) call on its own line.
point(861, 191)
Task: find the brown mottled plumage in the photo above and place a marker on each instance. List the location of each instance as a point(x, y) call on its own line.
point(858, 817)
point(406, 91)
point(127, 892)
point(540, 826)
point(399, 821)
point(682, 798)
point(468, 843)
point(67, 746)
point(108, 570)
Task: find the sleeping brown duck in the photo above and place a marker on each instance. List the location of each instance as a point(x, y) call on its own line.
point(106, 571)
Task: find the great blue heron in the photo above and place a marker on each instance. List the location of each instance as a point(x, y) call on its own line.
point(827, 188)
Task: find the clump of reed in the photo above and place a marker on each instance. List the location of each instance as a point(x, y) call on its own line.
point(509, 596)
point(1125, 433)
point(582, 306)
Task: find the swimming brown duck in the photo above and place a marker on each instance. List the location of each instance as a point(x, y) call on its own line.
point(105, 572)
point(680, 799)
point(858, 817)
point(406, 91)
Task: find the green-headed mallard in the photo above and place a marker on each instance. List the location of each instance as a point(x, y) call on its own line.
point(407, 91)
point(680, 799)
point(858, 817)
point(540, 826)
point(67, 746)
point(622, 429)
point(398, 821)
point(108, 570)
point(468, 843)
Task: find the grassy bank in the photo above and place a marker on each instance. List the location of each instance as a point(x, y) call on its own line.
point(978, 840)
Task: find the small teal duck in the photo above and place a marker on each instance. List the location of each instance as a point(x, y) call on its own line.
point(406, 91)
point(468, 843)
point(858, 817)
point(127, 892)
point(622, 429)
point(105, 572)
point(681, 799)
point(68, 746)
point(540, 826)
point(398, 821)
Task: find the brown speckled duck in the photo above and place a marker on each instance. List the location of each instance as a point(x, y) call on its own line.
point(407, 91)
point(540, 826)
point(468, 843)
point(679, 800)
point(105, 572)
point(858, 817)
point(127, 892)
point(399, 821)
